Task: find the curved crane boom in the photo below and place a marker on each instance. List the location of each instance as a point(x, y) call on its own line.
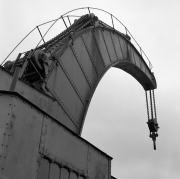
point(81, 62)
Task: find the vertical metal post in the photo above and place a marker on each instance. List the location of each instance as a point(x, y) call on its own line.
point(69, 20)
point(15, 76)
point(140, 51)
point(41, 35)
point(15, 79)
point(126, 30)
point(112, 21)
point(65, 23)
point(67, 29)
point(91, 17)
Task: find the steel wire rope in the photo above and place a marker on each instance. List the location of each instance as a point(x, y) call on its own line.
point(151, 104)
point(154, 104)
point(18, 45)
point(147, 104)
point(29, 34)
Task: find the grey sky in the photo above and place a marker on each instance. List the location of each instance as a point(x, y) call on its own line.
point(116, 120)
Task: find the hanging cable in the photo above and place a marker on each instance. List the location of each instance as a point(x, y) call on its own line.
point(147, 105)
point(151, 104)
point(154, 104)
point(152, 119)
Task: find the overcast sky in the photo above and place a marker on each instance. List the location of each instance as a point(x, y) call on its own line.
point(116, 120)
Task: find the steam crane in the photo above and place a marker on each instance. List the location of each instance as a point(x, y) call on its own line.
point(45, 94)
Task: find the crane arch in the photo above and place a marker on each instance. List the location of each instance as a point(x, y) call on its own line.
point(80, 64)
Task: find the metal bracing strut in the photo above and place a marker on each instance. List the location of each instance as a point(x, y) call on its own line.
point(152, 117)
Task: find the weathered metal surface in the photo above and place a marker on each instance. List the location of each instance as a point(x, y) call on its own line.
point(6, 109)
point(20, 156)
point(52, 170)
point(73, 152)
point(38, 145)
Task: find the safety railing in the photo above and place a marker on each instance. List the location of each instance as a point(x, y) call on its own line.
point(67, 19)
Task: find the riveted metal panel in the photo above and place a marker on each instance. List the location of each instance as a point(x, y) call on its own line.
point(103, 46)
point(90, 39)
point(21, 157)
point(74, 70)
point(60, 114)
point(63, 88)
point(54, 171)
point(64, 119)
point(65, 147)
point(123, 45)
point(117, 46)
point(43, 101)
point(110, 46)
point(5, 108)
point(64, 173)
point(131, 56)
point(137, 59)
point(6, 105)
point(44, 169)
point(85, 59)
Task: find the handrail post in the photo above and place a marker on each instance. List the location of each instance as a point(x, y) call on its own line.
point(112, 21)
point(15, 76)
point(40, 34)
point(69, 20)
point(91, 17)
